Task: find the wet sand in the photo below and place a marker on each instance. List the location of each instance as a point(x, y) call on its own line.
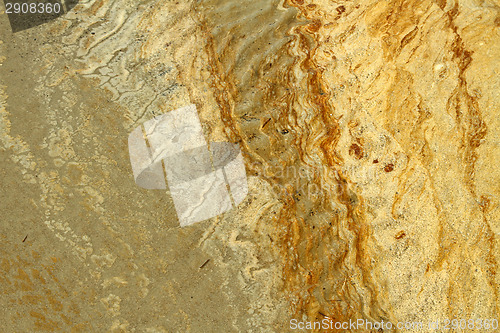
point(370, 136)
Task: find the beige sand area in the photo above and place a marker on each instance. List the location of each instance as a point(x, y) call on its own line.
point(370, 133)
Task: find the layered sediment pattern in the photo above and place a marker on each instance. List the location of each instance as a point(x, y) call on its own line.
point(345, 118)
point(370, 135)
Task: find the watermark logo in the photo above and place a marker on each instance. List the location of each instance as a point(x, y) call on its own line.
point(204, 181)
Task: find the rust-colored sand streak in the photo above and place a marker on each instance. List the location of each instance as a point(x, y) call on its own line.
point(319, 281)
point(474, 130)
point(280, 109)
